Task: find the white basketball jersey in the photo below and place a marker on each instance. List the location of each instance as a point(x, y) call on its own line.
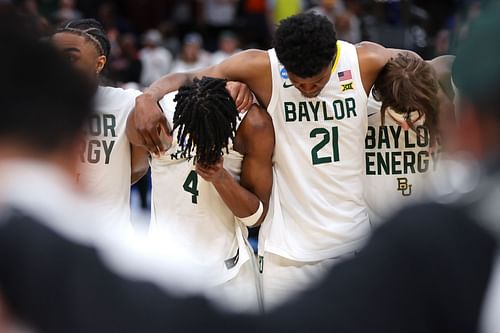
point(317, 210)
point(188, 211)
point(105, 170)
point(396, 163)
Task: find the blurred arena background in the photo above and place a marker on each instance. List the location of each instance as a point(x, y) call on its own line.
point(151, 38)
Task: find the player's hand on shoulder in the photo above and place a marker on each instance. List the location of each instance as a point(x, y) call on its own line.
point(212, 173)
point(150, 122)
point(242, 95)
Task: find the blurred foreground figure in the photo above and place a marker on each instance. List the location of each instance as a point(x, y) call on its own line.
point(432, 268)
point(48, 284)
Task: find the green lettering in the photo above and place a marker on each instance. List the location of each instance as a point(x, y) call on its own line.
point(423, 136)
point(370, 139)
point(290, 114)
point(423, 161)
point(109, 124)
point(339, 112)
point(325, 112)
point(383, 138)
point(408, 144)
point(93, 152)
point(107, 149)
point(95, 125)
point(369, 163)
point(315, 109)
point(303, 111)
point(382, 163)
point(396, 132)
point(396, 162)
point(350, 105)
point(408, 162)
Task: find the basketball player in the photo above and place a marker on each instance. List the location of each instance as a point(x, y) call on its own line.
point(109, 163)
point(315, 89)
point(434, 268)
point(211, 184)
point(106, 170)
point(401, 148)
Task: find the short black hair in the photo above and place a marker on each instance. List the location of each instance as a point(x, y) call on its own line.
point(206, 116)
point(92, 30)
point(305, 44)
point(44, 102)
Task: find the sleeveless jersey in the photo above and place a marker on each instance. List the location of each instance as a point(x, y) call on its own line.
point(105, 156)
point(189, 212)
point(396, 163)
point(317, 210)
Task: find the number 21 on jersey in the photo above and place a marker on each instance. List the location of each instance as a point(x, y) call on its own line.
point(191, 186)
point(328, 136)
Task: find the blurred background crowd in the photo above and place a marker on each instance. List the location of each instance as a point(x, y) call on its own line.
point(151, 38)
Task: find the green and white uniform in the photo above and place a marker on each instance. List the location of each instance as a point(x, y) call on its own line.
point(189, 212)
point(317, 210)
point(105, 155)
point(396, 163)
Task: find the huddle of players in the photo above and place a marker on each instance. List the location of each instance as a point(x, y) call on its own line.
point(304, 168)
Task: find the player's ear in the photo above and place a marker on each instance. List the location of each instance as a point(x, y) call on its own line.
point(101, 61)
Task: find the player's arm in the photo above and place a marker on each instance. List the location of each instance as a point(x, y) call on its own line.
point(442, 66)
point(245, 198)
point(247, 67)
point(372, 58)
point(139, 163)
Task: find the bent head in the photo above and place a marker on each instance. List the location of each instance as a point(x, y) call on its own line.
point(85, 44)
point(409, 87)
point(206, 117)
point(38, 95)
point(306, 45)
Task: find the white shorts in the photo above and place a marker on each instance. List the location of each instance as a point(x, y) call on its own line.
point(282, 278)
point(243, 293)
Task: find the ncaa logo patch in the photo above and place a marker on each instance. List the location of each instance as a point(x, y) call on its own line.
point(284, 73)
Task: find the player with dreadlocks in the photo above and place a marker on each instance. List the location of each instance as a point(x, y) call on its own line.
point(315, 88)
point(208, 132)
point(106, 170)
point(212, 183)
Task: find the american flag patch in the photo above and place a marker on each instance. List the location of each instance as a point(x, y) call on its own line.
point(345, 75)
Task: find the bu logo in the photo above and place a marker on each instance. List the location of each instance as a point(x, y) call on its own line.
point(404, 187)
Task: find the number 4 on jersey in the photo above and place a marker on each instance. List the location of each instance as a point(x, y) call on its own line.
point(191, 185)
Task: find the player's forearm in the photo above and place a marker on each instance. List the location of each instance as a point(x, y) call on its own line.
point(139, 160)
point(238, 199)
point(132, 134)
point(167, 84)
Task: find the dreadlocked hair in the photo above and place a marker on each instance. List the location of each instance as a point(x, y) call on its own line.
point(206, 117)
point(92, 30)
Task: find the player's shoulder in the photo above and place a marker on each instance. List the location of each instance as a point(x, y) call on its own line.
point(256, 131)
point(257, 120)
point(370, 52)
point(113, 94)
point(251, 60)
